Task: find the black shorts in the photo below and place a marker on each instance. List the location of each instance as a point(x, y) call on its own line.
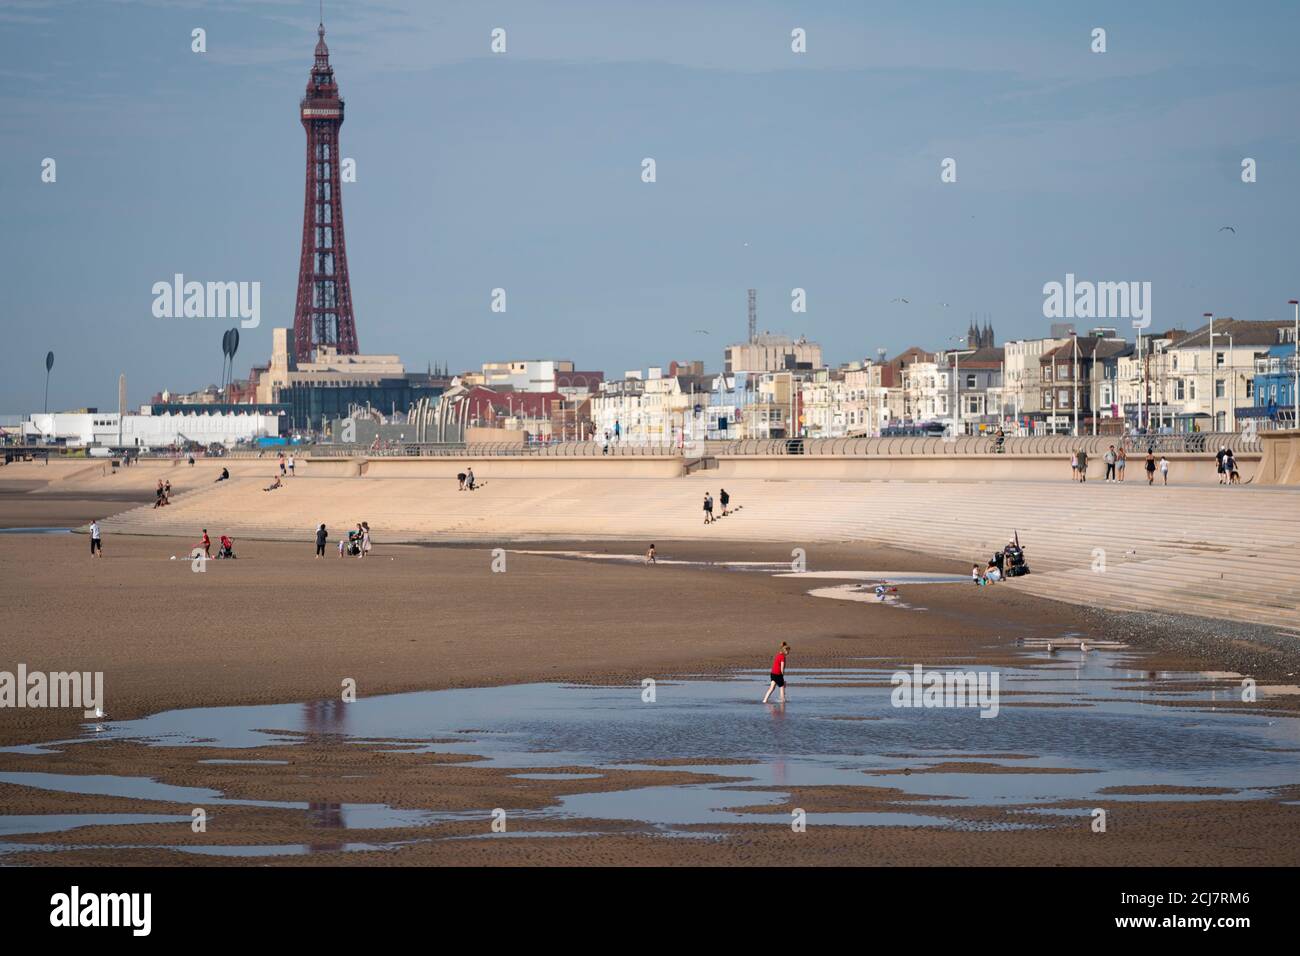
point(95, 545)
point(778, 680)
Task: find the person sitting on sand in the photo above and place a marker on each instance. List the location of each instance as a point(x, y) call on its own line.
point(992, 573)
point(277, 483)
point(778, 672)
point(225, 475)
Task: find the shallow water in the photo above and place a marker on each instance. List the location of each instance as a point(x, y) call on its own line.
point(1106, 719)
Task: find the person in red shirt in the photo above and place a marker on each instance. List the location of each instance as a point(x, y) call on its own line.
point(206, 543)
point(778, 672)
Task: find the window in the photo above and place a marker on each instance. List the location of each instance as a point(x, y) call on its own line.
point(1178, 390)
point(1062, 398)
point(1218, 360)
point(1250, 388)
point(1218, 388)
point(970, 381)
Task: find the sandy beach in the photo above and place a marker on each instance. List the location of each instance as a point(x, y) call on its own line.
point(280, 626)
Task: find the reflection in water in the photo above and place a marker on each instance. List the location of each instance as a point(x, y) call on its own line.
point(325, 717)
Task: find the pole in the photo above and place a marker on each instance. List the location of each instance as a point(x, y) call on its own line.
point(1295, 369)
point(1075, 376)
point(1214, 423)
point(1092, 388)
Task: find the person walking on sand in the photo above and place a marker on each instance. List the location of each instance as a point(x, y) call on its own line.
point(206, 544)
point(280, 458)
point(650, 556)
point(778, 672)
point(291, 466)
point(1164, 469)
point(708, 507)
point(321, 536)
point(1151, 468)
point(365, 539)
point(96, 541)
point(1083, 465)
point(158, 495)
point(725, 499)
point(1074, 465)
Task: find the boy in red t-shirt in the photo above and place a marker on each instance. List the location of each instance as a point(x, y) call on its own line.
point(778, 673)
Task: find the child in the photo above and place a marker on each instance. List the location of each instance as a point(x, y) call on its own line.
point(650, 556)
point(778, 673)
point(1164, 469)
point(975, 576)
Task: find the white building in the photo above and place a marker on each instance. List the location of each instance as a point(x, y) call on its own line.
point(146, 430)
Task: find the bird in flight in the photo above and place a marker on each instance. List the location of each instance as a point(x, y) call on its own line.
point(1228, 229)
point(702, 331)
point(904, 301)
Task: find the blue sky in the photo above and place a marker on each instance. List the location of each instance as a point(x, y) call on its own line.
point(522, 171)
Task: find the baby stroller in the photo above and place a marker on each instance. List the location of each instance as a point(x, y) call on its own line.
point(1012, 561)
point(354, 543)
point(227, 549)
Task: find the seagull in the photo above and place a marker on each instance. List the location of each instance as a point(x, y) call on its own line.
point(904, 301)
point(943, 305)
point(1051, 649)
point(702, 331)
point(1083, 647)
point(1228, 229)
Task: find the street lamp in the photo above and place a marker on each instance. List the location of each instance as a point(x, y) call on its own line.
point(956, 371)
point(1295, 368)
point(1074, 337)
point(1210, 317)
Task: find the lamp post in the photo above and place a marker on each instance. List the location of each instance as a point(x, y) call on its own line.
point(1295, 367)
point(1210, 317)
point(1074, 337)
point(956, 372)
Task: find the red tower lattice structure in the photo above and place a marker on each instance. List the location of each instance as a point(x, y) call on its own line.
point(323, 312)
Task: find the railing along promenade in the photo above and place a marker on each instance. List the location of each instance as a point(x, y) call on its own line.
point(1039, 446)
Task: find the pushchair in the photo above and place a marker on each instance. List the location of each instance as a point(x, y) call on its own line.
point(1011, 562)
point(354, 543)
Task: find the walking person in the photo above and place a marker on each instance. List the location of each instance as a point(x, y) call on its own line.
point(365, 539)
point(206, 544)
point(708, 507)
point(650, 556)
point(321, 537)
point(1074, 465)
point(280, 458)
point(725, 499)
point(158, 495)
point(1218, 458)
point(290, 465)
point(1151, 468)
point(1164, 469)
point(96, 540)
point(1083, 465)
point(778, 672)
point(1121, 459)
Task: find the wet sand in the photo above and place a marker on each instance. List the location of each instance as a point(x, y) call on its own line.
point(277, 625)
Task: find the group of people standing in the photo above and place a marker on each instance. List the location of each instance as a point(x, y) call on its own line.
point(723, 498)
point(1116, 458)
point(356, 543)
point(1226, 463)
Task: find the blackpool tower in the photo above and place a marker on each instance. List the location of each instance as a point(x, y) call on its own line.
point(323, 312)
